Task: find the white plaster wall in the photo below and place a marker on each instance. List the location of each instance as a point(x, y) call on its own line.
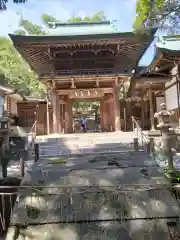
point(171, 93)
point(159, 100)
point(171, 98)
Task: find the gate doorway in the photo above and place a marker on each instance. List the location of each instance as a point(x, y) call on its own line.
point(88, 110)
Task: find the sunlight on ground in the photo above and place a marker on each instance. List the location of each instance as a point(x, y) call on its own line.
point(78, 180)
point(104, 213)
point(36, 202)
point(158, 205)
point(137, 212)
point(116, 172)
point(104, 182)
point(68, 233)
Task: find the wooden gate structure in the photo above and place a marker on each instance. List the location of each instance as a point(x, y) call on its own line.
point(84, 61)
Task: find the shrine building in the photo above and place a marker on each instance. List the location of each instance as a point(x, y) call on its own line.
point(84, 61)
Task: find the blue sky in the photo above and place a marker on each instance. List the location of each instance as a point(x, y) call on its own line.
point(121, 10)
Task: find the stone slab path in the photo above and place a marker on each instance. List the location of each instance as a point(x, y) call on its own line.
point(120, 195)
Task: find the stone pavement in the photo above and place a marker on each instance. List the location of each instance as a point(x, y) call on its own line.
point(120, 195)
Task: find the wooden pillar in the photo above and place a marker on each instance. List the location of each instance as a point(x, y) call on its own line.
point(47, 117)
point(105, 115)
point(151, 108)
point(101, 113)
point(60, 116)
point(70, 127)
point(58, 113)
point(54, 106)
point(109, 111)
point(69, 116)
point(125, 115)
point(142, 110)
point(108, 116)
point(117, 118)
point(63, 120)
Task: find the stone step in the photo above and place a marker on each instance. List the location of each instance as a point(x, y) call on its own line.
point(56, 147)
point(79, 151)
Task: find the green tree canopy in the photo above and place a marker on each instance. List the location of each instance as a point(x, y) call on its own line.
point(96, 17)
point(16, 72)
point(151, 13)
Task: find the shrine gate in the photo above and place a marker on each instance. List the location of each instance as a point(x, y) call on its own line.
point(84, 61)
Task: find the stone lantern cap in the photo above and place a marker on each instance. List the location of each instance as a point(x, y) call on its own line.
point(164, 116)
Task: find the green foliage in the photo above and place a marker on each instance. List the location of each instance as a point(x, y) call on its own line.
point(173, 176)
point(59, 161)
point(48, 19)
point(96, 17)
point(28, 28)
point(16, 72)
point(148, 10)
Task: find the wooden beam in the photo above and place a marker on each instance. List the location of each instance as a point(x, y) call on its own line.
point(151, 80)
point(96, 49)
point(101, 77)
point(67, 91)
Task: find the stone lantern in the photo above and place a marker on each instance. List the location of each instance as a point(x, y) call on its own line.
point(164, 117)
point(168, 136)
point(4, 124)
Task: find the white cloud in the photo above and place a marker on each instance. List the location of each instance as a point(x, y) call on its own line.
point(82, 14)
point(8, 21)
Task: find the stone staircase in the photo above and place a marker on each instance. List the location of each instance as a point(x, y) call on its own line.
point(122, 192)
point(58, 145)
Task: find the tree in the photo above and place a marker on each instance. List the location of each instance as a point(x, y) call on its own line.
point(96, 17)
point(16, 72)
point(159, 13)
point(46, 18)
point(28, 28)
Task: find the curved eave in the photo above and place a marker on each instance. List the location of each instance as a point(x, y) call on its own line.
point(19, 39)
point(10, 92)
point(170, 52)
point(37, 62)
